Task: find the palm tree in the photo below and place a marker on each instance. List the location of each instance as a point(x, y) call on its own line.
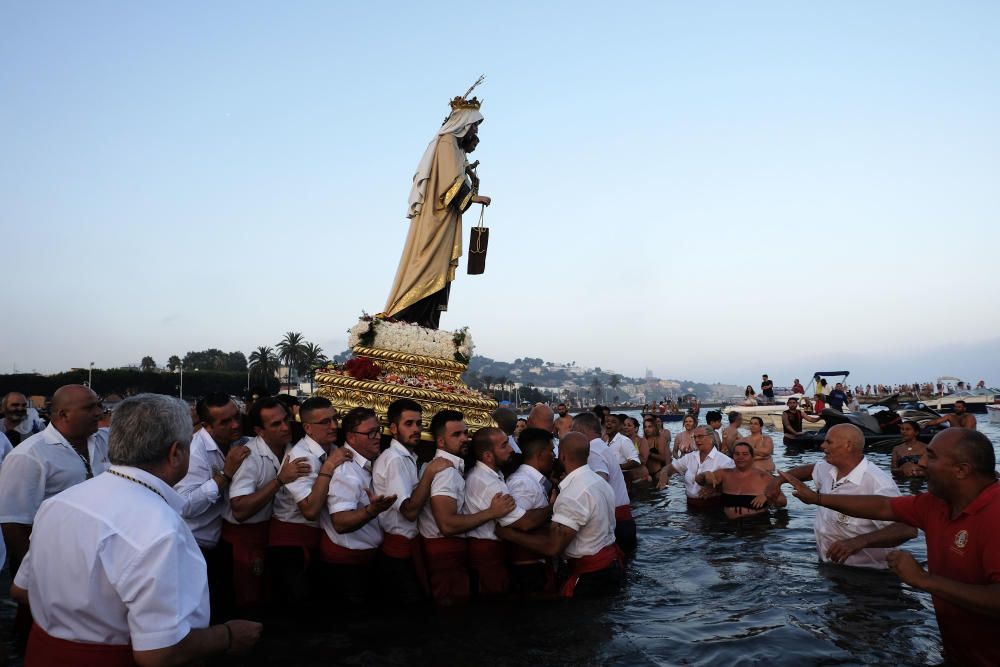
point(597, 386)
point(312, 356)
point(263, 364)
point(290, 349)
point(503, 384)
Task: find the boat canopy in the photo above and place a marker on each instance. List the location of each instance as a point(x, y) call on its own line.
point(831, 373)
point(949, 378)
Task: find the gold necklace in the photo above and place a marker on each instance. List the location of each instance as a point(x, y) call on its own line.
point(138, 481)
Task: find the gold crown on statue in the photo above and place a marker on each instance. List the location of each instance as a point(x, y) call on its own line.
point(464, 102)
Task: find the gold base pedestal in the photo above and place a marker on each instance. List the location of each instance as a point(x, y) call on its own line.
point(449, 392)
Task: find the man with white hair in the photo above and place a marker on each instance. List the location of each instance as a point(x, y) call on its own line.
point(114, 575)
point(18, 420)
point(444, 187)
point(845, 471)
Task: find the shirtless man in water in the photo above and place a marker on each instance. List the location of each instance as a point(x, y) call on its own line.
point(732, 433)
point(961, 417)
point(745, 488)
point(564, 423)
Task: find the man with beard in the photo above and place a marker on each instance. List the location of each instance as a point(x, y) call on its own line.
point(564, 423)
point(441, 523)
point(444, 187)
point(16, 424)
point(257, 481)
point(395, 474)
point(961, 417)
point(959, 516)
point(487, 554)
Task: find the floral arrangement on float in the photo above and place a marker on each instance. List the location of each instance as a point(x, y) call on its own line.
point(388, 334)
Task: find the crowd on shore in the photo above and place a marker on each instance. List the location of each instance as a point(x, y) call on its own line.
point(168, 537)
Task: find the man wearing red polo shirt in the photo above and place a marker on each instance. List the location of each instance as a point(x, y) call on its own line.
point(959, 517)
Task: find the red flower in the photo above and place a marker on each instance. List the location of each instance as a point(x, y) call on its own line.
point(362, 368)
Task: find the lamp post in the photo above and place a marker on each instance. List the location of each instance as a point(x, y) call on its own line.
point(90, 376)
point(180, 394)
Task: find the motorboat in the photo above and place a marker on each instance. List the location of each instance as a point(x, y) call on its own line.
point(993, 411)
point(880, 428)
point(976, 400)
point(770, 413)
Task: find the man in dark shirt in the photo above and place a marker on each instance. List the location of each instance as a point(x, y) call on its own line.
point(767, 389)
point(837, 398)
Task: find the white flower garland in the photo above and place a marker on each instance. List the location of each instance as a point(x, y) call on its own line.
point(413, 339)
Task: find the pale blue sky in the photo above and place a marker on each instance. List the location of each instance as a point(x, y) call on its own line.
point(709, 190)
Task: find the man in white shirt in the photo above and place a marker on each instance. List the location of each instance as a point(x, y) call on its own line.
point(704, 458)
point(70, 450)
point(604, 462)
point(294, 533)
point(395, 474)
point(18, 421)
point(623, 448)
point(845, 471)
point(487, 553)
point(582, 527)
point(351, 535)
point(217, 451)
point(441, 523)
point(258, 480)
point(114, 575)
point(530, 572)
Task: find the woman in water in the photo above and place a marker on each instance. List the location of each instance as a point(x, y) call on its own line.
point(630, 429)
point(685, 439)
point(906, 455)
point(763, 446)
point(745, 488)
point(656, 441)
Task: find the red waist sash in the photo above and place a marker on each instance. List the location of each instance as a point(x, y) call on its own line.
point(607, 557)
point(249, 542)
point(447, 568)
point(338, 555)
point(397, 546)
point(44, 650)
point(623, 513)
point(288, 534)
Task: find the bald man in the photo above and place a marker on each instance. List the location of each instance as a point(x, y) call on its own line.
point(541, 416)
point(846, 472)
point(70, 450)
point(582, 527)
point(959, 516)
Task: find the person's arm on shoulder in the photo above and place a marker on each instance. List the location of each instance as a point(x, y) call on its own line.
point(411, 505)
point(311, 506)
point(246, 505)
point(864, 507)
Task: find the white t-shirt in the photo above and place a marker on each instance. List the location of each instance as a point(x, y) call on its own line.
point(288, 497)
point(527, 486)
point(690, 465)
point(449, 482)
point(349, 491)
point(480, 486)
point(624, 449)
point(831, 526)
point(42, 466)
point(585, 504)
point(204, 502)
point(603, 460)
point(258, 468)
point(112, 562)
point(395, 472)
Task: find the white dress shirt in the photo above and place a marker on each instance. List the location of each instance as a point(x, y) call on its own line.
point(395, 472)
point(585, 504)
point(831, 526)
point(286, 501)
point(690, 465)
point(624, 449)
point(527, 486)
point(258, 468)
point(5, 449)
point(449, 482)
point(603, 460)
point(480, 486)
point(42, 466)
point(349, 491)
point(513, 444)
point(204, 502)
point(112, 562)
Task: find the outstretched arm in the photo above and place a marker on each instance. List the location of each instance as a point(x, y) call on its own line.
point(891, 536)
point(864, 507)
point(552, 543)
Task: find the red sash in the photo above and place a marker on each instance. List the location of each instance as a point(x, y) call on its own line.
point(607, 557)
point(249, 541)
point(447, 567)
point(338, 555)
point(44, 650)
point(489, 559)
point(623, 513)
point(397, 546)
point(288, 534)
point(523, 556)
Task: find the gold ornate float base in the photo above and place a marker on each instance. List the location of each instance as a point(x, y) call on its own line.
point(346, 392)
